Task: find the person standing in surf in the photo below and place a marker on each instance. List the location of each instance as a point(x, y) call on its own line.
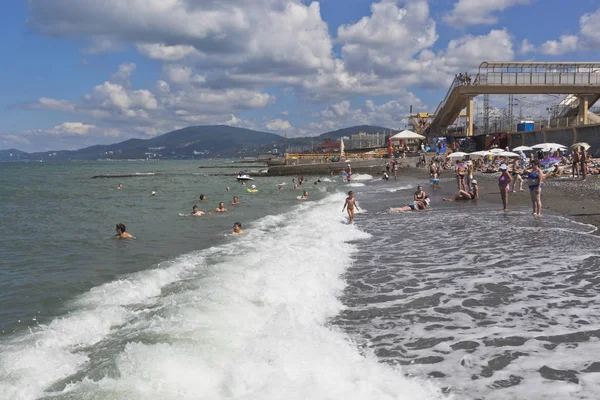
point(504, 185)
point(350, 204)
point(535, 182)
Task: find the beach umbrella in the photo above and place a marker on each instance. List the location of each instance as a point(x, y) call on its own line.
point(585, 145)
point(478, 154)
point(341, 147)
point(523, 148)
point(548, 146)
point(458, 154)
point(507, 154)
point(496, 151)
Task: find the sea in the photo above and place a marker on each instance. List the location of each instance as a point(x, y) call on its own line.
point(461, 301)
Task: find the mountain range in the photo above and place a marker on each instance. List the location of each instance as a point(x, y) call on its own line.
point(187, 143)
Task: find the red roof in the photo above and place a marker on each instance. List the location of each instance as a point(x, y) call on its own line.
point(330, 145)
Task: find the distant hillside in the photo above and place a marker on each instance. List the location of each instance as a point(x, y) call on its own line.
point(354, 130)
point(190, 142)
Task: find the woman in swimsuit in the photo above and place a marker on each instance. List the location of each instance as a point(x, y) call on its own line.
point(504, 184)
point(535, 181)
point(420, 194)
point(460, 175)
point(462, 195)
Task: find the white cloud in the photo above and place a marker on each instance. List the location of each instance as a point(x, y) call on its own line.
point(161, 52)
point(588, 27)
point(478, 12)
point(278, 125)
point(566, 44)
point(72, 128)
point(526, 47)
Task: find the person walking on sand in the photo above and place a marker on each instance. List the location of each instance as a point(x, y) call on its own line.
point(350, 204)
point(504, 185)
point(583, 158)
point(575, 165)
point(535, 180)
point(122, 232)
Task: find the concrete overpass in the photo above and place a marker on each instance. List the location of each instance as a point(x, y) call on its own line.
point(581, 79)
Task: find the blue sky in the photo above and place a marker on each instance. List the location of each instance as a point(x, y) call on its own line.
point(83, 72)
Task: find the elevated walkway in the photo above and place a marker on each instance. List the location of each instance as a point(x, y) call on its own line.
point(580, 79)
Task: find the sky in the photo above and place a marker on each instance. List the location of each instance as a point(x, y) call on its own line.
point(81, 72)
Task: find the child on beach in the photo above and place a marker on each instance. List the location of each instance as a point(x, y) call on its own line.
point(350, 204)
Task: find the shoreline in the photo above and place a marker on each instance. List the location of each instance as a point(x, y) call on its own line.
point(573, 199)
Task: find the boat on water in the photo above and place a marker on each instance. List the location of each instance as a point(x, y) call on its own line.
point(242, 176)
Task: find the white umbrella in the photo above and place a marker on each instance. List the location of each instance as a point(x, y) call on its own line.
point(458, 154)
point(523, 148)
point(406, 134)
point(507, 154)
point(549, 146)
point(477, 154)
point(496, 151)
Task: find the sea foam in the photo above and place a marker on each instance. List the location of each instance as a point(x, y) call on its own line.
point(248, 319)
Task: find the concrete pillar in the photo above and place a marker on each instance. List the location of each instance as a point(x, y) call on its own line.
point(470, 116)
point(582, 118)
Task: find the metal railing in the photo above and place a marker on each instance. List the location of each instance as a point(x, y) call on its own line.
point(540, 78)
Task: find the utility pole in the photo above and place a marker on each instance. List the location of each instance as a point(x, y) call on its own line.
point(510, 116)
point(486, 113)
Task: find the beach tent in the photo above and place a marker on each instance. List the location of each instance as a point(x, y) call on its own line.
point(406, 135)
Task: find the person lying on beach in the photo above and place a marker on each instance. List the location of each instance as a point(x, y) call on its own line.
point(122, 232)
point(463, 195)
point(417, 205)
point(557, 171)
point(221, 208)
point(235, 201)
point(196, 212)
point(237, 229)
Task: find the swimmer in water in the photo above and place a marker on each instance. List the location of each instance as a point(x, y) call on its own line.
point(221, 207)
point(304, 196)
point(237, 229)
point(153, 193)
point(235, 201)
point(122, 232)
point(227, 189)
point(120, 186)
point(202, 197)
point(350, 204)
point(196, 212)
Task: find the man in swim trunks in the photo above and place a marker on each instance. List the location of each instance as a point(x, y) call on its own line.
point(235, 201)
point(122, 232)
point(196, 212)
point(221, 208)
point(350, 204)
point(237, 229)
point(417, 205)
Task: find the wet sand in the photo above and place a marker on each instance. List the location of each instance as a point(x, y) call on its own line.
point(575, 199)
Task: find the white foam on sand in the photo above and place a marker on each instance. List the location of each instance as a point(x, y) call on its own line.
point(244, 320)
